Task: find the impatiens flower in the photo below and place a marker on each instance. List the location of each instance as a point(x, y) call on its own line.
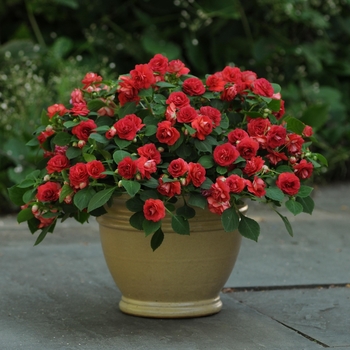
point(262, 87)
point(257, 187)
point(203, 126)
point(169, 189)
point(154, 209)
point(236, 135)
point(95, 168)
point(142, 76)
point(77, 97)
point(294, 143)
point(258, 126)
point(225, 155)
point(127, 91)
point(146, 167)
point(307, 132)
point(303, 170)
point(213, 113)
point(150, 152)
point(179, 99)
point(57, 163)
point(127, 168)
point(232, 74)
point(79, 108)
point(158, 63)
point(275, 157)
point(276, 136)
point(289, 183)
point(220, 191)
point(84, 129)
point(247, 148)
point(235, 183)
point(186, 115)
point(217, 207)
point(178, 167)
point(58, 109)
point(215, 82)
point(48, 192)
point(193, 87)
point(90, 79)
point(196, 174)
point(253, 166)
point(127, 127)
point(178, 68)
point(78, 176)
point(166, 133)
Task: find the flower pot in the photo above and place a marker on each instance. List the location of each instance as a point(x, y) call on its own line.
point(182, 278)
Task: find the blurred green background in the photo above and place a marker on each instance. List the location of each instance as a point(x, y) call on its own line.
point(47, 46)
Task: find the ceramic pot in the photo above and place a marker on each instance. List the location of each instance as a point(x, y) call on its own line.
point(182, 278)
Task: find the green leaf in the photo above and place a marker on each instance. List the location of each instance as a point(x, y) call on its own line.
point(286, 223)
point(70, 124)
point(190, 130)
point(44, 118)
point(132, 187)
point(95, 105)
point(249, 228)
point(82, 198)
point(180, 225)
point(197, 200)
point(100, 198)
point(144, 195)
point(321, 159)
point(134, 204)
point(307, 204)
point(98, 138)
point(16, 195)
point(33, 142)
point(207, 184)
point(41, 236)
point(295, 125)
point(164, 84)
point(121, 143)
point(207, 161)
point(136, 220)
point(65, 191)
point(157, 239)
point(304, 191)
point(186, 211)
point(128, 108)
point(315, 115)
point(150, 226)
point(25, 215)
point(28, 196)
point(275, 194)
point(284, 169)
point(73, 152)
point(26, 183)
point(145, 92)
point(221, 170)
point(225, 123)
point(203, 146)
point(150, 130)
point(274, 105)
point(119, 155)
point(294, 207)
point(276, 88)
point(151, 183)
point(88, 157)
point(62, 138)
point(230, 219)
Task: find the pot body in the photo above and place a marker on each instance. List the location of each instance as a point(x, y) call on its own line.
point(182, 278)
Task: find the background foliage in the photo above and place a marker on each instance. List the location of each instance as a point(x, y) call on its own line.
point(47, 46)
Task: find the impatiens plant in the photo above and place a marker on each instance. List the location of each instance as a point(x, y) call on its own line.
point(158, 134)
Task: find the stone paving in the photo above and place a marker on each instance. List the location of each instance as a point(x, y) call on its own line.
point(284, 293)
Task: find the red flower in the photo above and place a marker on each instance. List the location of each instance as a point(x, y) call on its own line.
point(127, 91)
point(232, 74)
point(79, 108)
point(57, 163)
point(307, 132)
point(178, 167)
point(235, 183)
point(288, 183)
point(166, 133)
point(83, 130)
point(258, 126)
point(146, 167)
point(225, 154)
point(303, 170)
point(142, 76)
point(294, 143)
point(276, 136)
point(229, 93)
point(248, 77)
point(247, 148)
point(196, 174)
point(217, 207)
point(169, 189)
point(150, 152)
point(170, 113)
point(154, 209)
point(44, 135)
point(262, 87)
point(56, 109)
point(253, 166)
point(281, 111)
point(91, 79)
point(78, 176)
point(236, 135)
point(220, 191)
point(179, 99)
point(203, 126)
point(127, 168)
point(186, 115)
point(77, 97)
point(213, 113)
point(128, 126)
point(159, 64)
point(275, 157)
point(215, 82)
point(48, 192)
point(257, 187)
point(193, 87)
point(95, 168)
point(177, 67)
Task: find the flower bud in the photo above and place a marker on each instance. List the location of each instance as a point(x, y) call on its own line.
point(138, 177)
point(82, 185)
point(49, 128)
point(35, 208)
point(120, 184)
point(46, 177)
point(183, 181)
point(81, 143)
point(161, 149)
point(68, 199)
point(292, 160)
point(75, 144)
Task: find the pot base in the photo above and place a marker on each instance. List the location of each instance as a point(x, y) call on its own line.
point(155, 309)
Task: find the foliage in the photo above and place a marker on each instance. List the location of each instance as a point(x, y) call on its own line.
point(158, 134)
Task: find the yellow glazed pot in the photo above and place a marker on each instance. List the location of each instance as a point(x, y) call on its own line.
point(182, 278)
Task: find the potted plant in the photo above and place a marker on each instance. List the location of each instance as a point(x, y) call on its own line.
point(163, 152)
